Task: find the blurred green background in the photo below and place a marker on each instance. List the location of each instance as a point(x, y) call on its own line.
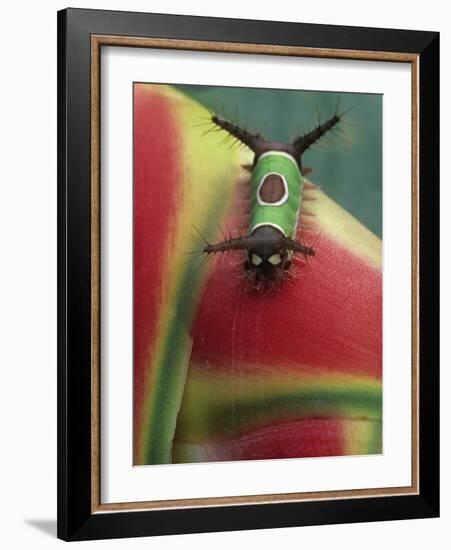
point(347, 165)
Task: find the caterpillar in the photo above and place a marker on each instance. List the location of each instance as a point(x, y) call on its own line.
point(276, 189)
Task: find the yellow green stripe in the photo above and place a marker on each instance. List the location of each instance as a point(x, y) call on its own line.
point(204, 195)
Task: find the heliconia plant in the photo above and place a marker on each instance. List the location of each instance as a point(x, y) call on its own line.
point(222, 371)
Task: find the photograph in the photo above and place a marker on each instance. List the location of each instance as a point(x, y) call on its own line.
point(248, 252)
point(224, 275)
point(257, 273)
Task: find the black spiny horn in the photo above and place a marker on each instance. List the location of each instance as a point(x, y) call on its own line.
point(296, 246)
point(302, 143)
point(237, 243)
point(253, 141)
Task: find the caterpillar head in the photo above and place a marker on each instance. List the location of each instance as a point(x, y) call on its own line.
point(269, 254)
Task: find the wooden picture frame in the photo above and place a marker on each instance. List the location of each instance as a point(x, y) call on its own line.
point(81, 35)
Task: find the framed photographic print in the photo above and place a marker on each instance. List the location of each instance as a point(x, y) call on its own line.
point(248, 274)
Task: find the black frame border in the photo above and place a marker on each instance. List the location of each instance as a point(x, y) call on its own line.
point(75, 520)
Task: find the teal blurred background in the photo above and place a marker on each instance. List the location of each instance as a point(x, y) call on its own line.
point(347, 166)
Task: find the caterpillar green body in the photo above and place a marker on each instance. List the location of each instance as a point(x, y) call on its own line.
point(276, 193)
point(275, 199)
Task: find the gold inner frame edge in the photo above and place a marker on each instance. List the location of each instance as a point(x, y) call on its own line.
point(97, 41)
